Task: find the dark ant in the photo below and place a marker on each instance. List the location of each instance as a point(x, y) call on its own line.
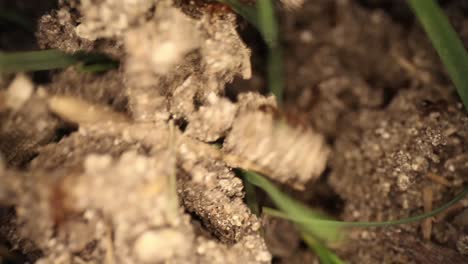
point(429, 106)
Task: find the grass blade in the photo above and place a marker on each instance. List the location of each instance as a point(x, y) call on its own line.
point(314, 236)
point(315, 227)
point(291, 207)
point(35, 61)
point(325, 255)
point(101, 67)
point(268, 26)
point(342, 224)
point(267, 22)
point(446, 42)
point(53, 59)
point(251, 197)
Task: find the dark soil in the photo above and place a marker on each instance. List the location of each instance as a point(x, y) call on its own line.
point(366, 76)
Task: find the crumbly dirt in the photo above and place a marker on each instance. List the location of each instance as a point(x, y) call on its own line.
point(137, 164)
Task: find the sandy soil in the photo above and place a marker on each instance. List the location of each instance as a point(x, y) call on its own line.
point(136, 165)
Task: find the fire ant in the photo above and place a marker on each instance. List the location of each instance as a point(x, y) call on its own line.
point(215, 7)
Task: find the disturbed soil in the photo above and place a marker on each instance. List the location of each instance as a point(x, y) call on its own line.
point(139, 164)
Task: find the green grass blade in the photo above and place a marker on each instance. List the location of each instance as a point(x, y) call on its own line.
point(295, 208)
point(314, 236)
point(251, 197)
point(267, 22)
point(275, 73)
point(446, 42)
point(342, 224)
point(35, 61)
point(325, 255)
point(268, 26)
point(102, 67)
point(53, 59)
point(282, 200)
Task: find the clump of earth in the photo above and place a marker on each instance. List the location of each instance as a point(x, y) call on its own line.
point(139, 164)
